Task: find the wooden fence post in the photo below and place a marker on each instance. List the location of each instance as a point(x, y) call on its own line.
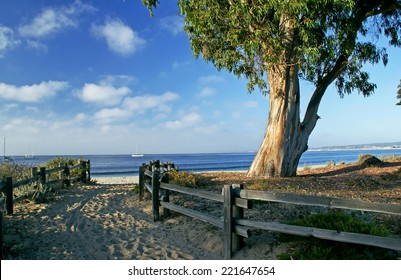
point(166, 194)
point(9, 195)
point(35, 176)
point(67, 175)
point(238, 213)
point(88, 166)
point(60, 174)
point(42, 177)
point(155, 193)
point(228, 222)
point(83, 171)
point(142, 169)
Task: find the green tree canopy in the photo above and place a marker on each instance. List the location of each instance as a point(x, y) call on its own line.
point(273, 43)
point(247, 37)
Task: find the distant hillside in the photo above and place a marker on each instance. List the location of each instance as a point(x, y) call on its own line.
point(391, 145)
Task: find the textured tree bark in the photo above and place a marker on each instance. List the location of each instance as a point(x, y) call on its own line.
point(286, 137)
point(284, 140)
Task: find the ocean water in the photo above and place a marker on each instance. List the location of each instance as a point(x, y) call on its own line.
point(126, 165)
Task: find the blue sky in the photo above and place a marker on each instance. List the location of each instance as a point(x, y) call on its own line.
point(102, 77)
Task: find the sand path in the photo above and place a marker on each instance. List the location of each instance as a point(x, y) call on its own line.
point(104, 221)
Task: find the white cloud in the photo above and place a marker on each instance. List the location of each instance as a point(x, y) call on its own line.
point(109, 115)
point(210, 79)
point(9, 107)
point(32, 109)
point(209, 129)
point(206, 92)
point(31, 93)
point(119, 79)
point(7, 40)
point(236, 115)
point(80, 117)
point(119, 37)
point(146, 102)
point(103, 94)
point(36, 45)
point(217, 113)
point(185, 121)
point(173, 24)
point(182, 64)
point(136, 105)
point(48, 22)
point(26, 125)
point(54, 20)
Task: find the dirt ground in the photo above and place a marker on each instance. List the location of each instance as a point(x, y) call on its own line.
point(354, 181)
point(106, 220)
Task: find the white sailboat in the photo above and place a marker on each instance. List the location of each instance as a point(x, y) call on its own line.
point(29, 155)
point(137, 154)
point(5, 158)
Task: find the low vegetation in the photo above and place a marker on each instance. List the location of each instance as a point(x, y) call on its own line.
point(188, 179)
point(318, 249)
point(369, 160)
point(17, 171)
point(375, 183)
point(32, 191)
point(60, 161)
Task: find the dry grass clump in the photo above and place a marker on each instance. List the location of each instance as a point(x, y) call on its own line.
point(369, 160)
point(318, 249)
point(34, 191)
point(17, 171)
point(188, 179)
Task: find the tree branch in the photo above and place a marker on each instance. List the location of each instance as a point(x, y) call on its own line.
point(311, 116)
point(389, 5)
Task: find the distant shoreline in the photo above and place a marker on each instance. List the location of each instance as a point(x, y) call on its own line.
point(333, 148)
point(134, 179)
point(125, 166)
point(354, 149)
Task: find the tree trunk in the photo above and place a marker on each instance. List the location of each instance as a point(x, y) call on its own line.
point(285, 139)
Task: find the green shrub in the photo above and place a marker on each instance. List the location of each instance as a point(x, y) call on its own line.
point(60, 161)
point(390, 157)
point(341, 222)
point(17, 171)
point(369, 160)
point(32, 191)
point(187, 179)
point(319, 249)
point(135, 188)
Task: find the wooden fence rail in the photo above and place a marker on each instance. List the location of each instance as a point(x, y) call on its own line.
point(41, 178)
point(154, 177)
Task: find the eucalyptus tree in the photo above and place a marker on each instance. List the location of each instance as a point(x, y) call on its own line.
point(275, 43)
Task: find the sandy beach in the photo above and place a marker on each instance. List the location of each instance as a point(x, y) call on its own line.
point(104, 221)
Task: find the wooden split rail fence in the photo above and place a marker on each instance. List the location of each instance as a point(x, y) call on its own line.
point(154, 177)
point(40, 177)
